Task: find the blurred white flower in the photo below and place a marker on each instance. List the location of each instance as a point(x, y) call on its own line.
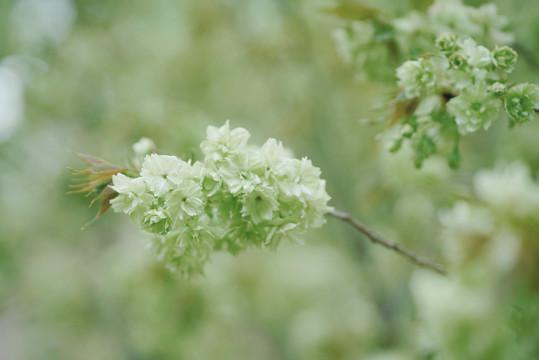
point(503, 250)
point(509, 189)
point(443, 303)
point(143, 147)
point(452, 16)
point(410, 24)
point(36, 21)
point(11, 102)
point(464, 226)
point(466, 220)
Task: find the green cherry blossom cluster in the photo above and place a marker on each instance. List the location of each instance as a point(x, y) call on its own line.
point(373, 43)
point(237, 197)
point(458, 90)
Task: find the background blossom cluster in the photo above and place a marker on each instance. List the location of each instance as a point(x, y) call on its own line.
point(375, 43)
point(473, 80)
point(490, 244)
point(460, 89)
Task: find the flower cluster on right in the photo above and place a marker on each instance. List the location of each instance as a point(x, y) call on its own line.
point(374, 44)
point(454, 85)
point(459, 90)
point(473, 81)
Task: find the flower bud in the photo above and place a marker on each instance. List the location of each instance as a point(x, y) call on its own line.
point(457, 61)
point(447, 43)
point(504, 58)
point(498, 88)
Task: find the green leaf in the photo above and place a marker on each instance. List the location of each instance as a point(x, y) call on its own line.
point(396, 146)
point(403, 110)
point(454, 158)
point(424, 148)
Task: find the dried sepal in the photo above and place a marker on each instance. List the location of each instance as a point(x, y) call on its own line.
point(404, 109)
point(96, 180)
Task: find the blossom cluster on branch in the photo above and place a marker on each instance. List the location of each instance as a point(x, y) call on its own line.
point(237, 197)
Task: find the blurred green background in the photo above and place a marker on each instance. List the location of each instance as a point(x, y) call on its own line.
point(96, 75)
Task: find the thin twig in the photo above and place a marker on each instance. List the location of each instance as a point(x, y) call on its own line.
point(375, 238)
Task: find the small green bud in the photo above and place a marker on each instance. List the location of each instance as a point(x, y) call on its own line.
point(447, 43)
point(504, 58)
point(457, 60)
point(498, 89)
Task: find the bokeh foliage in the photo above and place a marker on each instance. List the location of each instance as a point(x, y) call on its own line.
point(110, 72)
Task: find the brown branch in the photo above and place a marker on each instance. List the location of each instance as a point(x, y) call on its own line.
point(377, 239)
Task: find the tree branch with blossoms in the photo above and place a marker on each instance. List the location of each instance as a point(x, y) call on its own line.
point(237, 197)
